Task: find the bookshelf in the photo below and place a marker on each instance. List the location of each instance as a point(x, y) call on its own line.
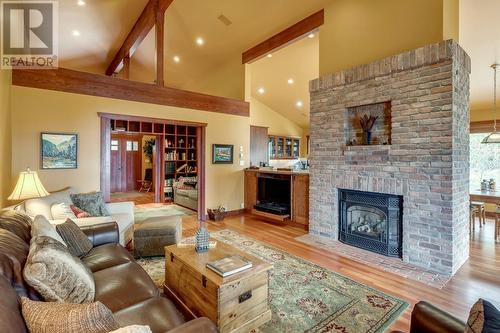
point(180, 155)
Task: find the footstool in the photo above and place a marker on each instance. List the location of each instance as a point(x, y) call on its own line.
point(152, 235)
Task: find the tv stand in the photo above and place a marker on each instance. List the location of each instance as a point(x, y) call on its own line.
point(291, 209)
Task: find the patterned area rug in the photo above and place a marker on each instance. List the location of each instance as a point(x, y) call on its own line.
point(305, 297)
point(142, 213)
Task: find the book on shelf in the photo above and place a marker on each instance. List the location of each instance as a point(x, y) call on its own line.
point(229, 265)
point(179, 169)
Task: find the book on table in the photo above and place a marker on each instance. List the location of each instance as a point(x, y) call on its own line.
point(229, 265)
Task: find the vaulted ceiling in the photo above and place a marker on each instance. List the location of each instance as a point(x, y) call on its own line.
point(104, 24)
point(298, 62)
point(480, 38)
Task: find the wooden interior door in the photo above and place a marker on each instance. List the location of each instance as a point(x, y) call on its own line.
point(259, 143)
point(126, 162)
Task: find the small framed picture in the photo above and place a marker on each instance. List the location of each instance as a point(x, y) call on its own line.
point(222, 154)
point(59, 151)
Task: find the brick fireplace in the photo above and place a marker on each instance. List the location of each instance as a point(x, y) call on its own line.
point(420, 148)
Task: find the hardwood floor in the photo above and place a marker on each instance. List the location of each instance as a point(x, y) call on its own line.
point(139, 198)
point(478, 277)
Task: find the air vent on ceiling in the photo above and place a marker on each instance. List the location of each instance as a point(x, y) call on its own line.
point(225, 20)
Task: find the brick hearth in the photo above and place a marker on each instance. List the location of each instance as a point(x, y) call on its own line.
point(427, 161)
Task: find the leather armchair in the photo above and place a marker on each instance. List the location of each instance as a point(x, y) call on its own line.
point(426, 318)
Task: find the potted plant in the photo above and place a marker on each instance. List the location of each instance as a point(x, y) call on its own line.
point(367, 123)
point(148, 149)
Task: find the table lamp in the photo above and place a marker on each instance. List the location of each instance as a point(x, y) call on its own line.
point(28, 186)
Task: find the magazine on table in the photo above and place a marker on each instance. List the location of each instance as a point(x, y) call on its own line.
point(229, 265)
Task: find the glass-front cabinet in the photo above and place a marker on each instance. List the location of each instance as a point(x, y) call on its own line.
point(272, 148)
point(283, 148)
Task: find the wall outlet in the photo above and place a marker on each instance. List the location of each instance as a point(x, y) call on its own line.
point(242, 205)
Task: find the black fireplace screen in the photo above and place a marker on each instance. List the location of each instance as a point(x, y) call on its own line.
point(372, 221)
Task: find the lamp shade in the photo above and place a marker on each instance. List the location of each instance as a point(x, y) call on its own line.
point(28, 186)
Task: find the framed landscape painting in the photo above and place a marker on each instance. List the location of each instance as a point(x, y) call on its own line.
point(222, 154)
point(59, 151)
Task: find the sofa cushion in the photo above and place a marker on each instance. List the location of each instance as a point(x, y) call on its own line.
point(16, 222)
point(121, 286)
point(56, 274)
point(77, 242)
point(13, 254)
point(42, 227)
point(157, 312)
point(92, 202)
point(61, 210)
point(42, 206)
point(105, 256)
point(11, 319)
point(45, 317)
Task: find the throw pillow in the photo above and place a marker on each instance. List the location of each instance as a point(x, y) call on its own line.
point(44, 317)
point(17, 223)
point(133, 329)
point(93, 203)
point(79, 212)
point(76, 240)
point(61, 211)
point(42, 227)
point(483, 318)
point(56, 274)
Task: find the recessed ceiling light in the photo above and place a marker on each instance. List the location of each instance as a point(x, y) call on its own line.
point(269, 55)
point(290, 81)
point(299, 104)
point(81, 3)
point(261, 90)
point(177, 59)
point(311, 35)
point(200, 41)
point(76, 33)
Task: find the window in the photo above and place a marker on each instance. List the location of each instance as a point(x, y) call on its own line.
point(484, 161)
point(114, 145)
point(132, 146)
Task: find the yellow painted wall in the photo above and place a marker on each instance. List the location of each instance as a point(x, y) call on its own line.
point(451, 16)
point(35, 110)
point(5, 137)
point(262, 115)
point(226, 80)
point(482, 114)
point(361, 31)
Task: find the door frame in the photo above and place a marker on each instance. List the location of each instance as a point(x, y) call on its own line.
point(105, 165)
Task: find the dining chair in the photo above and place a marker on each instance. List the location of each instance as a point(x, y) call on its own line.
point(481, 207)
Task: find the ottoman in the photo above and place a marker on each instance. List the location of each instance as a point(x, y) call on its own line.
point(152, 235)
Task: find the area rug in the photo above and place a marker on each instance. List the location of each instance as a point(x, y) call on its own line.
point(305, 297)
point(144, 212)
point(391, 265)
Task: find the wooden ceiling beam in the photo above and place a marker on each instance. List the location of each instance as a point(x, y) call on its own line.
point(160, 48)
point(284, 37)
point(141, 28)
point(71, 81)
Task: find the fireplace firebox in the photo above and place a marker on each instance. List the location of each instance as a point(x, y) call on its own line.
point(371, 221)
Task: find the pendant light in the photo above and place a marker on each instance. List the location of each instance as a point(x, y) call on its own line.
point(494, 137)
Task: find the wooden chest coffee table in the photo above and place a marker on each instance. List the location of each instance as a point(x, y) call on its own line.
point(237, 303)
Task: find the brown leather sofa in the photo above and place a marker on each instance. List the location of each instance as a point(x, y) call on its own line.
point(426, 318)
point(121, 284)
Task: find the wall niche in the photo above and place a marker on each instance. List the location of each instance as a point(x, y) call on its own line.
point(381, 130)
